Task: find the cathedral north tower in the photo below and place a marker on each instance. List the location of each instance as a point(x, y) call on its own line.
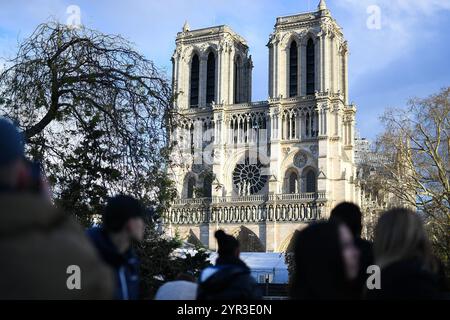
point(303, 133)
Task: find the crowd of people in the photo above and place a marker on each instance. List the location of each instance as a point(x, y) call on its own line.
point(39, 244)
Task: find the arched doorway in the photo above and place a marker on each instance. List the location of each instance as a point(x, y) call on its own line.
point(293, 183)
point(207, 186)
point(248, 240)
point(193, 239)
point(195, 80)
point(210, 78)
point(190, 187)
point(311, 181)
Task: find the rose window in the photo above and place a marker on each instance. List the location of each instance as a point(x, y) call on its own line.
point(248, 178)
point(300, 160)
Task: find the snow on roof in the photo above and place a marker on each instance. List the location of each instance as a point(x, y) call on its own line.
point(263, 263)
point(259, 260)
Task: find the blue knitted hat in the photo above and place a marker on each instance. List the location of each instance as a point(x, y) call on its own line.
point(11, 142)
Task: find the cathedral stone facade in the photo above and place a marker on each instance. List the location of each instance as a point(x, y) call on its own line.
point(260, 170)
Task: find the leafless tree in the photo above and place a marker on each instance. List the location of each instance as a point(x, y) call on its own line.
point(93, 110)
point(415, 145)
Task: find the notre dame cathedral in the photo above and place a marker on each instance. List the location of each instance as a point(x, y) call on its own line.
point(261, 169)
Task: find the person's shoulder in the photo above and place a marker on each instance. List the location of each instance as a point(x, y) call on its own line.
point(223, 273)
point(236, 270)
point(177, 289)
point(364, 243)
point(246, 277)
point(248, 285)
point(95, 233)
point(181, 284)
point(405, 267)
point(240, 276)
point(25, 211)
point(208, 272)
point(411, 277)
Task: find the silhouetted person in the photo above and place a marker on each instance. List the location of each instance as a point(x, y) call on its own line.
point(403, 252)
point(38, 242)
point(123, 222)
point(326, 262)
point(350, 214)
point(230, 278)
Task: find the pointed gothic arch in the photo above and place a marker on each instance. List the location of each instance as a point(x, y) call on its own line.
point(293, 68)
point(210, 77)
point(190, 183)
point(307, 124)
point(309, 176)
point(237, 79)
point(310, 67)
point(291, 181)
point(248, 240)
point(193, 239)
point(207, 186)
point(287, 244)
point(194, 81)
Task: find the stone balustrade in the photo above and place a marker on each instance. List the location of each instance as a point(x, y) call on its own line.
point(259, 198)
point(247, 209)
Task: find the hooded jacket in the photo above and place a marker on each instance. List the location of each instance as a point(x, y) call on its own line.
point(229, 279)
point(125, 266)
point(38, 244)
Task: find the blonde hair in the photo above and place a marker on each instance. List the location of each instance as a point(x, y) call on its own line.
point(400, 235)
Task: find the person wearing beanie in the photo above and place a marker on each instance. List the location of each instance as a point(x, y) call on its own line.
point(38, 242)
point(350, 214)
point(230, 278)
point(11, 155)
point(123, 222)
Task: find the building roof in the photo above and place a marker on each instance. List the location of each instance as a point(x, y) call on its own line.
point(264, 263)
point(186, 33)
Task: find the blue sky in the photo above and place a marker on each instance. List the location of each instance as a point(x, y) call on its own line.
point(408, 56)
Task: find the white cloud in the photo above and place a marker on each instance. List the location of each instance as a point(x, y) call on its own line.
point(404, 23)
point(152, 25)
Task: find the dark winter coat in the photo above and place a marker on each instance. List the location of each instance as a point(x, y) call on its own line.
point(38, 243)
point(366, 259)
point(229, 279)
point(406, 279)
point(126, 266)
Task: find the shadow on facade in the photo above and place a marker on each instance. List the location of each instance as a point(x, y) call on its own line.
point(249, 241)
